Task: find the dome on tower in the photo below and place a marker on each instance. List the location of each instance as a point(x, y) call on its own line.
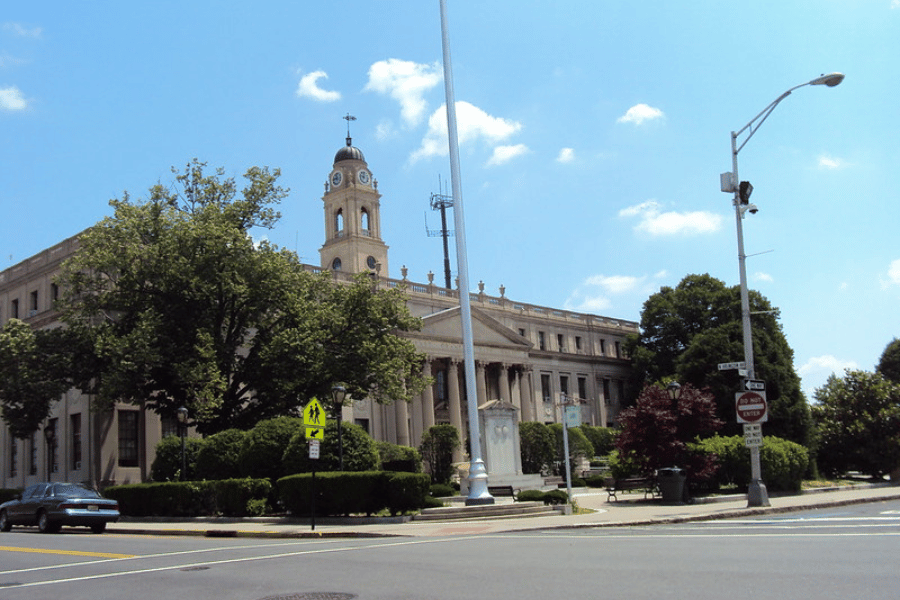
point(349, 152)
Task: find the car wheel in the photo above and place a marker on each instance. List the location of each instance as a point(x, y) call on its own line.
point(5, 525)
point(45, 525)
point(98, 528)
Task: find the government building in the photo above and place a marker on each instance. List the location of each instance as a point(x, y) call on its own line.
point(526, 356)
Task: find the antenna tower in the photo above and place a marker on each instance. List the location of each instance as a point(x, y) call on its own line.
point(442, 202)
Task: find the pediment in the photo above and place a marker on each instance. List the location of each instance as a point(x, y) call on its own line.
point(446, 327)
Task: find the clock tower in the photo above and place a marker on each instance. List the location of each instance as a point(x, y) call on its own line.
point(352, 216)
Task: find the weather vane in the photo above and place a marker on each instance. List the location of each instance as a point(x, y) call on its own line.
point(348, 118)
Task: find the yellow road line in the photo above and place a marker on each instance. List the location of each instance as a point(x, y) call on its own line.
point(66, 552)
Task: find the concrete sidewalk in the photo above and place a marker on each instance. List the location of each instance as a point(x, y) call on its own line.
point(631, 510)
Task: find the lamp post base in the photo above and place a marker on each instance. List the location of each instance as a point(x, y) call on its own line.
point(757, 494)
point(478, 485)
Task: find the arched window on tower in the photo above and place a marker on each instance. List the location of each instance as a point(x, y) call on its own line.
point(364, 222)
point(339, 222)
point(336, 264)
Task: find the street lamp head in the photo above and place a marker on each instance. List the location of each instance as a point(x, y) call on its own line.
point(674, 391)
point(338, 394)
point(831, 80)
point(182, 415)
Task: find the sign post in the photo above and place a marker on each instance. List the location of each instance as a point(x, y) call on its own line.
point(752, 410)
point(314, 423)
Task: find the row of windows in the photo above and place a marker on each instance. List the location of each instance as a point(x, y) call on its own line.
point(561, 344)
point(50, 438)
point(34, 306)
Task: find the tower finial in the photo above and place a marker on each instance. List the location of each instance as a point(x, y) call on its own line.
point(349, 118)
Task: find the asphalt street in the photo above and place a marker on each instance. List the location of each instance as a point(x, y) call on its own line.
point(839, 552)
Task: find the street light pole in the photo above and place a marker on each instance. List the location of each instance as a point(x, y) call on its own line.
point(338, 394)
point(756, 494)
point(182, 430)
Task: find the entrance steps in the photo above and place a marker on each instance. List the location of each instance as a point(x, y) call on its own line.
point(504, 510)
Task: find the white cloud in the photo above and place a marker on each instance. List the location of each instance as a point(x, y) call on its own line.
point(760, 276)
point(22, 31)
point(816, 370)
point(309, 88)
point(595, 293)
point(567, 155)
point(406, 82)
point(639, 113)
point(472, 124)
point(831, 163)
point(657, 223)
point(893, 275)
point(11, 98)
point(504, 154)
point(895, 3)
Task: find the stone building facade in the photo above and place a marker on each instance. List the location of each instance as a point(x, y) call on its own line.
point(526, 355)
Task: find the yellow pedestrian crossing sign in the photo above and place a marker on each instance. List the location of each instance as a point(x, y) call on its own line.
point(314, 420)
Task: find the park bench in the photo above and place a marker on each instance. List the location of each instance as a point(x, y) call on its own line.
point(647, 484)
point(502, 490)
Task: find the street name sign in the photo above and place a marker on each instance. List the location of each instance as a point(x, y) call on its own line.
point(754, 385)
point(314, 420)
point(751, 407)
point(731, 366)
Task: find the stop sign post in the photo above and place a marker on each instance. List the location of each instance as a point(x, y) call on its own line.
point(751, 407)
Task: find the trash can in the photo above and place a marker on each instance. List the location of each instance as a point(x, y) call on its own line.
point(671, 484)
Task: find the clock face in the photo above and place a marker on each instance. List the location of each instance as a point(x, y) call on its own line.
point(336, 178)
point(371, 262)
point(364, 177)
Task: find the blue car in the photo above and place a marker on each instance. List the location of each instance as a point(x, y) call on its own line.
point(52, 505)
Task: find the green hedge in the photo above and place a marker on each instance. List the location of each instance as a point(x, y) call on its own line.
point(783, 463)
point(551, 497)
point(361, 492)
point(227, 497)
point(7, 494)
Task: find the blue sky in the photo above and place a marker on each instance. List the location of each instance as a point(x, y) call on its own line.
point(592, 137)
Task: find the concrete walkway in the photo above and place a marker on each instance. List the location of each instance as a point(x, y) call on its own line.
point(630, 510)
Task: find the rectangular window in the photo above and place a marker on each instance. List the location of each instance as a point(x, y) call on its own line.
point(54, 292)
point(13, 457)
point(441, 385)
point(582, 388)
point(169, 426)
point(618, 350)
point(364, 423)
point(33, 303)
point(128, 438)
point(606, 392)
point(564, 385)
point(14, 309)
point(542, 344)
point(53, 444)
point(75, 426)
point(33, 459)
point(545, 387)
point(521, 332)
point(578, 342)
point(561, 342)
point(602, 347)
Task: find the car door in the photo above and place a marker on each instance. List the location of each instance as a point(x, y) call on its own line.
point(24, 511)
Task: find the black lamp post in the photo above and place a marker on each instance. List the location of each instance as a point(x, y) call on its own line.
point(182, 430)
point(674, 391)
point(338, 394)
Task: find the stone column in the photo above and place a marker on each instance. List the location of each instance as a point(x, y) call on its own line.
point(427, 399)
point(481, 381)
point(529, 406)
point(401, 414)
point(455, 405)
point(515, 392)
point(505, 394)
point(415, 421)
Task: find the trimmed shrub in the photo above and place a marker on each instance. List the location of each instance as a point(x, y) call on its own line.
point(359, 449)
point(603, 439)
point(219, 456)
point(436, 448)
point(167, 464)
point(783, 462)
point(263, 448)
point(536, 446)
point(405, 491)
point(442, 490)
point(579, 446)
point(552, 497)
point(229, 497)
point(394, 457)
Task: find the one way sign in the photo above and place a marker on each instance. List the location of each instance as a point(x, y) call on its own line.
point(754, 385)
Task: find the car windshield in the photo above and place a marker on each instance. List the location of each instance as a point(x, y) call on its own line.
point(73, 490)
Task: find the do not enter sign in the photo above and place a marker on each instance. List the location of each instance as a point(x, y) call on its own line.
point(751, 407)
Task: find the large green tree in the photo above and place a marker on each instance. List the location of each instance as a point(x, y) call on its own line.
point(889, 364)
point(182, 307)
point(687, 330)
point(858, 421)
point(34, 373)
